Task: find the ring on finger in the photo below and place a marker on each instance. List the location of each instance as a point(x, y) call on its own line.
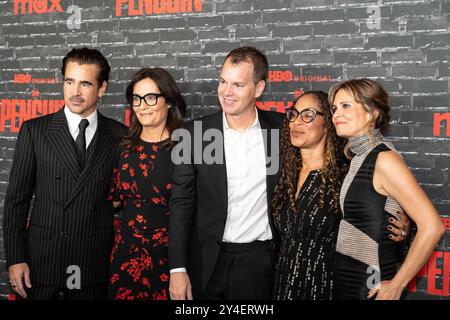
point(403, 233)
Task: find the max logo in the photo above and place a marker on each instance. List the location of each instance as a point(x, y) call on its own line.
point(37, 6)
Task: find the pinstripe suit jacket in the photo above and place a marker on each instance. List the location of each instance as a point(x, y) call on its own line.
point(71, 221)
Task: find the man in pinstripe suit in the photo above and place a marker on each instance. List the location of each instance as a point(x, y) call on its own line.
point(65, 160)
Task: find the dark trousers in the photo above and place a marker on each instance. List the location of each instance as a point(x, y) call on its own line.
point(242, 272)
point(45, 292)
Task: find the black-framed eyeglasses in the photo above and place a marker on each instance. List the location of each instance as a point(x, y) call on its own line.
point(307, 115)
point(151, 99)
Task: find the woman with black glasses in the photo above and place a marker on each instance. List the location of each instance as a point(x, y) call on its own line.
point(142, 186)
point(306, 201)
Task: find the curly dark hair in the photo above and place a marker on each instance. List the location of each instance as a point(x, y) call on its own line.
point(291, 163)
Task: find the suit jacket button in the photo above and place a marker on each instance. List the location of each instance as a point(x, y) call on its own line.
point(63, 234)
point(65, 208)
point(90, 235)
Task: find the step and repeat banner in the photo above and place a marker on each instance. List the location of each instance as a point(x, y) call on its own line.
point(310, 44)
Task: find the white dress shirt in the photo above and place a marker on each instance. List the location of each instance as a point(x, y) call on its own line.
point(247, 216)
point(73, 120)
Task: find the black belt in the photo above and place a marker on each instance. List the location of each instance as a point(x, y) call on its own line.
point(240, 247)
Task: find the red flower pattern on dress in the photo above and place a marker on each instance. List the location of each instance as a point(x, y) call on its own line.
point(115, 185)
point(164, 277)
point(160, 237)
point(118, 240)
point(134, 187)
point(160, 295)
point(116, 176)
point(142, 295)
point(145, 282)
point(135, 266)
point(139, 266)
point(156, 200)
point(124, 294)
point(114, 278)
point(144, 169)
point(142, 156)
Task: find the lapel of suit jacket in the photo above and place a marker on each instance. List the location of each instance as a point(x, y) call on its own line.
point(268, 125)
point(60, 139)
point(219, 171)
point(103, 144)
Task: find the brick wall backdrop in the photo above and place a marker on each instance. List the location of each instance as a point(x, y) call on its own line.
point(311, 44)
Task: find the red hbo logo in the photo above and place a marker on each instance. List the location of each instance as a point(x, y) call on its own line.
point(280, 76)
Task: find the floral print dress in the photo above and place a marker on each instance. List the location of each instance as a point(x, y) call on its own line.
point(139, 267)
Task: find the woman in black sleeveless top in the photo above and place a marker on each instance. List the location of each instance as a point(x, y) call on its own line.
point(366, 265)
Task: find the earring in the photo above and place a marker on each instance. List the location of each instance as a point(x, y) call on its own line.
point(169, 106)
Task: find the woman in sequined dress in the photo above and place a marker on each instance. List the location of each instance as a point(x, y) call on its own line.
point(306, 201)
point(366, 265)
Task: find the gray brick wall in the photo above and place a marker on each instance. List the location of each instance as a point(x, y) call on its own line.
point(407, 49)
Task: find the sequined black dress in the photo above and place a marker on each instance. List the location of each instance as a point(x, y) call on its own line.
point(308, 239)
